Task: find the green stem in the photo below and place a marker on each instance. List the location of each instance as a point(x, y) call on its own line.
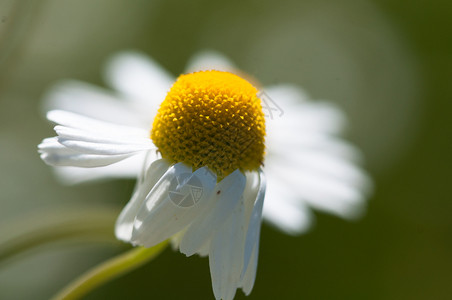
point(43, 236)
point(77, 223)
point(109, 270)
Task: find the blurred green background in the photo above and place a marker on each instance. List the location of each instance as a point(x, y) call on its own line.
point(388, 64)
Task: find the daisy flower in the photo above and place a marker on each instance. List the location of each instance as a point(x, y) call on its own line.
point(199, 146)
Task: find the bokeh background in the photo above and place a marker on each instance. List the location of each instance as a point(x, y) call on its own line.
point(387, 63)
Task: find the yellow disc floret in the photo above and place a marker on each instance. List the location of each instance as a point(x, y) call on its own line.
point(213, 119)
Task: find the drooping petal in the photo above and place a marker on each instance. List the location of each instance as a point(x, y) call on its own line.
point(227, 194)
point(177, 238)
point(226, 254)
point(205, 249)
point(125, 221)
point(175, 201)
point(249, 277)
point(251, 250)
point(234, 247)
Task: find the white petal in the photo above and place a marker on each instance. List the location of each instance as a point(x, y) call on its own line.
point(55, 154)
point(51, 145)
point(210, 60)
point(138, 78)
point(247, 283)
point(300, 114)
point(88, 136)
point(284, 209)
point(321, 192)
point(92, 101)
point(227, 194)
point(70, 133)
point(287, 94)
point(127, 168)
point(311, 118)
point(309, 162)
point(104, 149)
point(226, 254)
point(319, 163)
point(124, 223)
point(290, 142)
point(205, 249)
point(167, 210)
point(76, 121)
point(176, 239)
point(253, 232)
point(80, 160)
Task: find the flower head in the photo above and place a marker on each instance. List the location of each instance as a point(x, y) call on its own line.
point(214, 119)
point(205, 188)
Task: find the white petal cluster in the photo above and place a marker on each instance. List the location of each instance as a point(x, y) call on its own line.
point(224, 223)
point(101, 134)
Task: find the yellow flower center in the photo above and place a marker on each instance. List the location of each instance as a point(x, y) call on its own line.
point(213, 119)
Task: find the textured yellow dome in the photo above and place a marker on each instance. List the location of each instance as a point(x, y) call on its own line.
point(213, 119)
